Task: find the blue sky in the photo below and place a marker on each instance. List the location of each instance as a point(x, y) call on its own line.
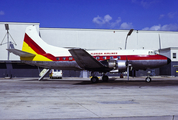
point(95, 14)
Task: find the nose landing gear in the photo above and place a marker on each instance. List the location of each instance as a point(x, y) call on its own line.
point(148, 79)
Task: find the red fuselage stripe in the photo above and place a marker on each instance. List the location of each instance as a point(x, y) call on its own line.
point(40, 51)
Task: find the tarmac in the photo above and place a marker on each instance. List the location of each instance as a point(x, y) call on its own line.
point(78, 99)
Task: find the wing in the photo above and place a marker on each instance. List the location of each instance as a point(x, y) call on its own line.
point(86, 61)
point(21, 53)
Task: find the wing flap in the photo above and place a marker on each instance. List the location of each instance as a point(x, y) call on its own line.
point(85, 60)
point(21, 53)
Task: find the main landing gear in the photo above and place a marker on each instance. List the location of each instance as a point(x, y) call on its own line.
point(95, 79)
point(105, 78)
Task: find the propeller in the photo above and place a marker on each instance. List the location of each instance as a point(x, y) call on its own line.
point(127, 64)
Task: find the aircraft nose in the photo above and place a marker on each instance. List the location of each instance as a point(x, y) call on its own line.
point(168, 60)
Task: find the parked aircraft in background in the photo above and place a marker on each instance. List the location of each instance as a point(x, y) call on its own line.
point(37, 52)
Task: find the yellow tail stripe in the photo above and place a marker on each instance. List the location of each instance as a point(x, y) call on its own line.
point(28, 49)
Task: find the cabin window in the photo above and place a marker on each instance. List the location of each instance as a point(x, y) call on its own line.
point(174, 55)
point(70, 58)
point(97, 58)
point(57, 58)
point(111, 57)
point(104, 57)
point(118, 57)
point(64, 58)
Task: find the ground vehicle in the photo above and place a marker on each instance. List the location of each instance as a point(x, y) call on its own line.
point(54, 73)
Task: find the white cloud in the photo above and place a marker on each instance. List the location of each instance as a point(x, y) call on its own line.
point(161, 16)
point(167, 27)
point(146, 28)
point(126, 25)
point(106, 20)
point(2, 13)
point(156, 27)
point(170, 15)
point(145, 3)
point(170, 27)
point(116, 23)
point(99, 20)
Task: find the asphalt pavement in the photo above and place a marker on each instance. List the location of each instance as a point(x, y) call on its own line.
point(79, 99)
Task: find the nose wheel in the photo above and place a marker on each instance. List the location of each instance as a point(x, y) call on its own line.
point(148, 79)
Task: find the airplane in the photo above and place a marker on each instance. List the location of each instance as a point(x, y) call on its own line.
point(37, 52)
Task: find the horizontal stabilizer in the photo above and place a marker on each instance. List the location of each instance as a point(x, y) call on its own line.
point(85, 60)
point(21, 53)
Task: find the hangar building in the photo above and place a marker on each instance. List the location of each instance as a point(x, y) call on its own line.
point(164, 41)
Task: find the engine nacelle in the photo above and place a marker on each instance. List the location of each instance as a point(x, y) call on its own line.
point(121, 64)
point(112, 64)
point(117, 64)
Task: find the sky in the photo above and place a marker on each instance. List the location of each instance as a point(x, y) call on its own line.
point(161, 15)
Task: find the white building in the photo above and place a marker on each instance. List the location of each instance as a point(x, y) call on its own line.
point(172, 68)
point(83, 38)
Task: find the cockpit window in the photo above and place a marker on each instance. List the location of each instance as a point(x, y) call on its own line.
point(151, 53)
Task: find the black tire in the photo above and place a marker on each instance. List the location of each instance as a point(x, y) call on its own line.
point(94, 79)
point(148, 79)
point(105, 78)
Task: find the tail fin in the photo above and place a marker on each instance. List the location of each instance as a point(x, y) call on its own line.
point(35, 45)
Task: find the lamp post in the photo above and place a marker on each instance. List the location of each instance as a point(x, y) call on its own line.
point(8, 44)
point(129, 33)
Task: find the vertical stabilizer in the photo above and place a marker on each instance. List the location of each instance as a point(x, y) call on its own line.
point(35, 45)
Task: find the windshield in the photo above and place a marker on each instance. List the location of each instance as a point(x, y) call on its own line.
point(152, 52)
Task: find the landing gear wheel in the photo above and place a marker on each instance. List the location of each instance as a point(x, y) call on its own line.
point(148, 79)
point(105, 78)
point(94, 79)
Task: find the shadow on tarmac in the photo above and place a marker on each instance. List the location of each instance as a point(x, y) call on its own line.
point(111, 82)
point(115, 82)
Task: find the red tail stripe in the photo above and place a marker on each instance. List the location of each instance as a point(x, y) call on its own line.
point(33, 45)
point(37, 48)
